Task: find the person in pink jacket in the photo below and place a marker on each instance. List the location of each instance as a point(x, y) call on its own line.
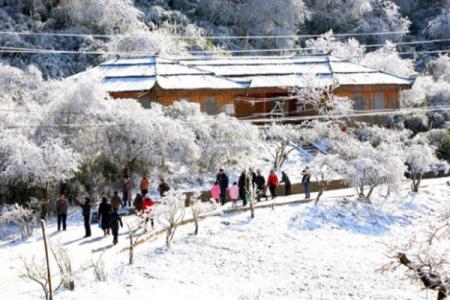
point(233, 191)
point(215, 191)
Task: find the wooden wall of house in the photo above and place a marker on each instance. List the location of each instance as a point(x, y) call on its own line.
point(369, 97)
point(391, 95)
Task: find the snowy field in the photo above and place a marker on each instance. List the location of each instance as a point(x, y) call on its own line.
point(297, 251)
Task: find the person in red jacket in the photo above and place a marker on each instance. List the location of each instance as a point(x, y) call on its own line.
point(272, 182)
point(147, 210)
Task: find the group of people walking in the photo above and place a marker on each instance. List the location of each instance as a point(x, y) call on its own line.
point(110, 220)
point(108, 215)
point(240, 189)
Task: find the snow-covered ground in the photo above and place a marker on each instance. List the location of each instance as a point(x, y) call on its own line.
point(296, 251)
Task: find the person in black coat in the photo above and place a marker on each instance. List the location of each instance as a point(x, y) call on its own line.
point(115, 220)
point(61, 210)
point(104, 215)
point(260, 183)
point(287, 183)
point(222, 179)
point(241, 184)
point(306, 180)
point(163, 187)
point(86, 212)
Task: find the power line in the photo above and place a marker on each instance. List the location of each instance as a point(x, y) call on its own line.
point(357, 113)
point(7, 49)
point(215, 37)
point(343, 116)
point(425, 52)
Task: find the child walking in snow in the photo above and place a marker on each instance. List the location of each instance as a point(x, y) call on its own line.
point(215, 192)
point(147, 211)
point(114, 223)
point(234, 194)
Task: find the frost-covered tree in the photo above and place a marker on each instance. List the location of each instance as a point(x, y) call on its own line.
point(420, 159)
point(41, 166)
point(319, 97)
point(387, 59)
point(170, 213)
point(222, 140)
point(350, 49)
point(366, 167)
point(356, 16)
point(280, 138)
point(257, 17)
point(440, 68)
point(439, 26)
point(323, 168)
point(161, 41)
point(198, 208)
point(104, 16)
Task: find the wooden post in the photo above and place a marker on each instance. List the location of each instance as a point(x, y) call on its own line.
point(44, 237)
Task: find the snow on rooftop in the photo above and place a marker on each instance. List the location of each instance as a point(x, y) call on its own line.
point(128, 84)
point(141, 73)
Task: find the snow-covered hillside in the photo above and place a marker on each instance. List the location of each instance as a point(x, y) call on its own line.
point(331, 251)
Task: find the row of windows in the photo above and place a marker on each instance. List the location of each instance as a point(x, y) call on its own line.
point(358, 101)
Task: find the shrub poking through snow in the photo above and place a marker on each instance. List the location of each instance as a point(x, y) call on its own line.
point(170, 213)
point(37, 271)
point(99, 269)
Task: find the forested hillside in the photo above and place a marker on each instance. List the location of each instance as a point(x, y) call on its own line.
point(182, 26)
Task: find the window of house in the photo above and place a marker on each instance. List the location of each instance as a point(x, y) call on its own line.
point(379, 100)
point(210, 105)
point(358, 101)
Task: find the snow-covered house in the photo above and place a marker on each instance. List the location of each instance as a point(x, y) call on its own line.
point(234, 84)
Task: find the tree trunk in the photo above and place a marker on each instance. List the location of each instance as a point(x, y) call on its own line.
point(196, 226)
point(369, 194)
point(430, 280)
point(321, 190)
point(416, 179)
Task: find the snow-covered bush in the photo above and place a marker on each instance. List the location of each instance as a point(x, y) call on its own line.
point(20, 216)
point(99, 269)
point(64, 263)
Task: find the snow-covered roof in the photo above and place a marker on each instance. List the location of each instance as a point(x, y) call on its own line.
point(126, 74)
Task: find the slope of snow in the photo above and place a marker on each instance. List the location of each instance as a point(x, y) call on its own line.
point(331, 251)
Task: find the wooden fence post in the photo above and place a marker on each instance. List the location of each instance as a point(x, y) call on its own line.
point(44, 237)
